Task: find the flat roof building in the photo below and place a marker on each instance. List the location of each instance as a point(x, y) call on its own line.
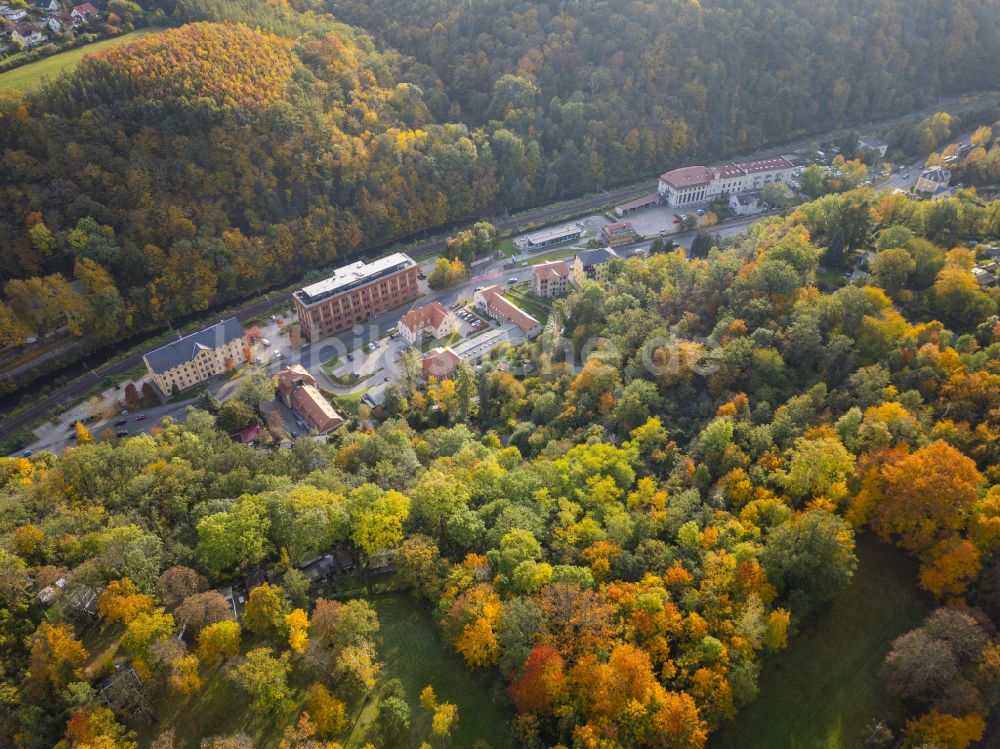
point(355, 293)
point(555, 235)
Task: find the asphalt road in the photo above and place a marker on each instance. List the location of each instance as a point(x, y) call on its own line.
point(523, 221)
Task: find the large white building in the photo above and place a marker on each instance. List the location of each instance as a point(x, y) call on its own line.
point(697, 184)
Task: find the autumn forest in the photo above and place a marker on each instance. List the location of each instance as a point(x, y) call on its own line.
point(603, 550)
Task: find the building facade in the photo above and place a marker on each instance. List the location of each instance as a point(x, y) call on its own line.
point(550, 279)
point(592, 265)
point(618, 234)
point(194, 358)
point(298, 391)
point(933, 180)
point(698, 184)
point(355, 293)
point(429, 320)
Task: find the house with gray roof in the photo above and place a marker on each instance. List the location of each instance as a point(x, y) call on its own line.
point(197, 356)
point(871, 144)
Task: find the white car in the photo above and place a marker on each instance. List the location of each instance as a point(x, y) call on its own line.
point(372, 346)
point(265, 342)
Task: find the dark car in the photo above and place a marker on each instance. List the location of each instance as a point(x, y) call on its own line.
point(27, 454)
point(122, 433)
point(121, 422)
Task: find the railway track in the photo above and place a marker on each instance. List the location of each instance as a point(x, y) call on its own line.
point(72, 391)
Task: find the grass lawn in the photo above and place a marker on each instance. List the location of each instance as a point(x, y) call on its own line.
point(824, 690)
point(31, 75)
point(426, 344)
point(506, 246)
point(413, 653)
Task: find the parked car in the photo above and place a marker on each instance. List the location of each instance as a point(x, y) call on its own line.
point(372, 346)
point(265, 341)
point(701, 211)
point(278, 354)
point(422, 276)
point(350, 357)
point(121, 422)
point(295, 434)
point(140, 417)
point(27, 454)
point(259, 362)
point(122, 433)
point(274, 318)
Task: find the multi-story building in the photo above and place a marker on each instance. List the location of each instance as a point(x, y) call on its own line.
point(492, 301)
point(592, 265)
point(933, 180)
point(550, 279)
point(697, 184)
point(298, 391)
point(618, 234)
point(194, 358)
point(431, 320)
point(355, 293)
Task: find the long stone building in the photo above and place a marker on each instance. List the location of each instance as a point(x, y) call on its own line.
point(697, 184)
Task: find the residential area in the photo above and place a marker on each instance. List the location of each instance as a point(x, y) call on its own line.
point(26, 27)
point(353, 338)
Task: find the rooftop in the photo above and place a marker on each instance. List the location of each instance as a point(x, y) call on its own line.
point(548, 235)
point(638, 203)
point(501, 307)
point(765, 165)
point(184, 349)
point(429, 315)
point(870, 141)
point(353, 276)
point(936, 174)
point(551, 269)
point(596, 257)
point(687, 176)
point(439, 362)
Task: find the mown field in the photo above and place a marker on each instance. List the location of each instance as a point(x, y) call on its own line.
point(824, 690)
point(31, 75)
point(409, 647)
point(413, 653)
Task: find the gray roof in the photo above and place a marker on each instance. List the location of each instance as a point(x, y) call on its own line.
point(184, 349)
point(596, 257)
point(870, 141)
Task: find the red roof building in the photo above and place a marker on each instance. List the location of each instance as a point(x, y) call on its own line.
point(493, 302)
point(550, 279)
point(439, 362)
point(298, 391)
point(431, 319)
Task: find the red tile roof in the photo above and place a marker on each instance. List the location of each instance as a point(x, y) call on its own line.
point(501, 307)
point(439, 362)
point(687, 176)
point(551, 269)
point(430, 315)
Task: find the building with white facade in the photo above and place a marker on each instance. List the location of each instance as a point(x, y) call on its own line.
point(429, 320)
point(697, 184)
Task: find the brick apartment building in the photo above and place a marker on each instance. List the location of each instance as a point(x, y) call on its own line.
point(355, 293)
point(298, 391)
